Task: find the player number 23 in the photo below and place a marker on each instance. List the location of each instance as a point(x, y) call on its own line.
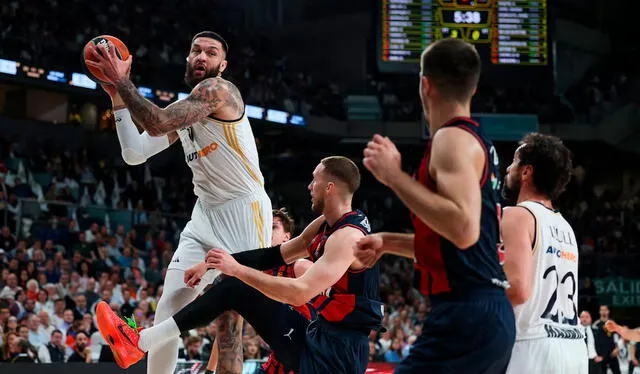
point(548, 312)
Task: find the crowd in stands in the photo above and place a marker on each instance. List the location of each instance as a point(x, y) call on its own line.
point(64, 258)
point(601, 90)
point(260, 67)
point(52, 34)
point(61, 249)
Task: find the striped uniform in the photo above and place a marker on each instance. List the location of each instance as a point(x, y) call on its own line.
point(233, 211)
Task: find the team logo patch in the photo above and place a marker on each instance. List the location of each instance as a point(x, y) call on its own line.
point(365, 224)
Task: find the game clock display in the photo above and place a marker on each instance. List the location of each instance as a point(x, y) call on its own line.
point(505, 32)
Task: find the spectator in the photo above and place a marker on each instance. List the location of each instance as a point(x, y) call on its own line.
point(7, 240)
point(394, 354)
point(46, 328)
point(81, 306)
point(57, 318)
point(9, 291)
point(81, 350)
point(67, 321)
point(192, 349)
point(605, 345)
point(11, 326)
point(35, 337)
point(54, 350)
point(10, 348)
point(594, 359)
point(5, 313)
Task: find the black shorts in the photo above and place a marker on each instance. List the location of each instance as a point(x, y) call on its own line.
point(473, 335)
point(305, 347)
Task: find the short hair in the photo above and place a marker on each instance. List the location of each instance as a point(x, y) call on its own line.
point(192, 340)
point(344, 170)
point(214, 36)
point(288, 222)
point(56, 331)
point(551, 162)
point(453, 66)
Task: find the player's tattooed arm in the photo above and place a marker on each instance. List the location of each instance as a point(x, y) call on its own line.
point(212, 96)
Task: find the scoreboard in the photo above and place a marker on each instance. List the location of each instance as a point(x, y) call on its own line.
point(505, 32)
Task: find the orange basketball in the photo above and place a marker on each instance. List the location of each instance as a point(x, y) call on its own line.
point(121, 51)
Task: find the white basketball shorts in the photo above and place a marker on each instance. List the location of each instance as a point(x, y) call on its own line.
point(549, 355)
point(235, 226)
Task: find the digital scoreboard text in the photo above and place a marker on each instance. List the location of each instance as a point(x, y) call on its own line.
point(505, 32)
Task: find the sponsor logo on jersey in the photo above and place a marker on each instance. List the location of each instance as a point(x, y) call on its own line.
point(204, 152)
point(562, 254)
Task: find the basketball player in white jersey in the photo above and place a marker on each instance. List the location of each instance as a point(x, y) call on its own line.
point(541, 261)
point(232, 210)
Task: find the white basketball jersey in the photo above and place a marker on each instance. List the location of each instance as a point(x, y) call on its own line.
point(223, 158)
point(551, 310)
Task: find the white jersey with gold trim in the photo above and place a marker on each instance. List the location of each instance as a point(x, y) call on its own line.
point(551, 310)
point(223, 158)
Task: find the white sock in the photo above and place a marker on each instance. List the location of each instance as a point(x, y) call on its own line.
point(158, 334)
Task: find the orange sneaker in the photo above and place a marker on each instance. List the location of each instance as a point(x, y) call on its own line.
point(122, 338)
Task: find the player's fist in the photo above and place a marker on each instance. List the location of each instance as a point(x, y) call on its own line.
point(382, 159)
point(223, 261)
point(194, 274)
point(611, 326)
point(368, 250)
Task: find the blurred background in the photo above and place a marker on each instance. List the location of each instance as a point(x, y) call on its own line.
point(319, 78)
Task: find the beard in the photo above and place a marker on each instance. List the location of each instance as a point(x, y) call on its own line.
point(318, 206)
point(191, 80)
point(510, 193)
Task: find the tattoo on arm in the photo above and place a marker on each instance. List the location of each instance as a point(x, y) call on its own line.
point(208, 97)
point(173, 136)
point(229, 337)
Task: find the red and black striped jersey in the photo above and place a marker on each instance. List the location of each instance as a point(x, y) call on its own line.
point(354, 301)
point(441, 267)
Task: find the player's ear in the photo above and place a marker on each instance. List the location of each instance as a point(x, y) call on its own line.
point(425, 86)
point(223, 66)
point(330, 186)
point(527, 172)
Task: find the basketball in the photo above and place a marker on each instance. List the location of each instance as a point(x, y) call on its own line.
point(121, 51)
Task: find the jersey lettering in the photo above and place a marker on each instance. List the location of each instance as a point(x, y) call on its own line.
point(551, 309)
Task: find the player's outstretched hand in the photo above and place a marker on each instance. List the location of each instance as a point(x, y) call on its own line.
point(382, 159)
point(223, 261)
point(194, 274)
point(368, 250)
point(106, 61)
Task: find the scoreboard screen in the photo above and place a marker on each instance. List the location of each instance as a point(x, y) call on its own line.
point(506, 33)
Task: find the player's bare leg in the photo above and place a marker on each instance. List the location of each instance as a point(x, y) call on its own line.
point(212, 365)
point(229, 339)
